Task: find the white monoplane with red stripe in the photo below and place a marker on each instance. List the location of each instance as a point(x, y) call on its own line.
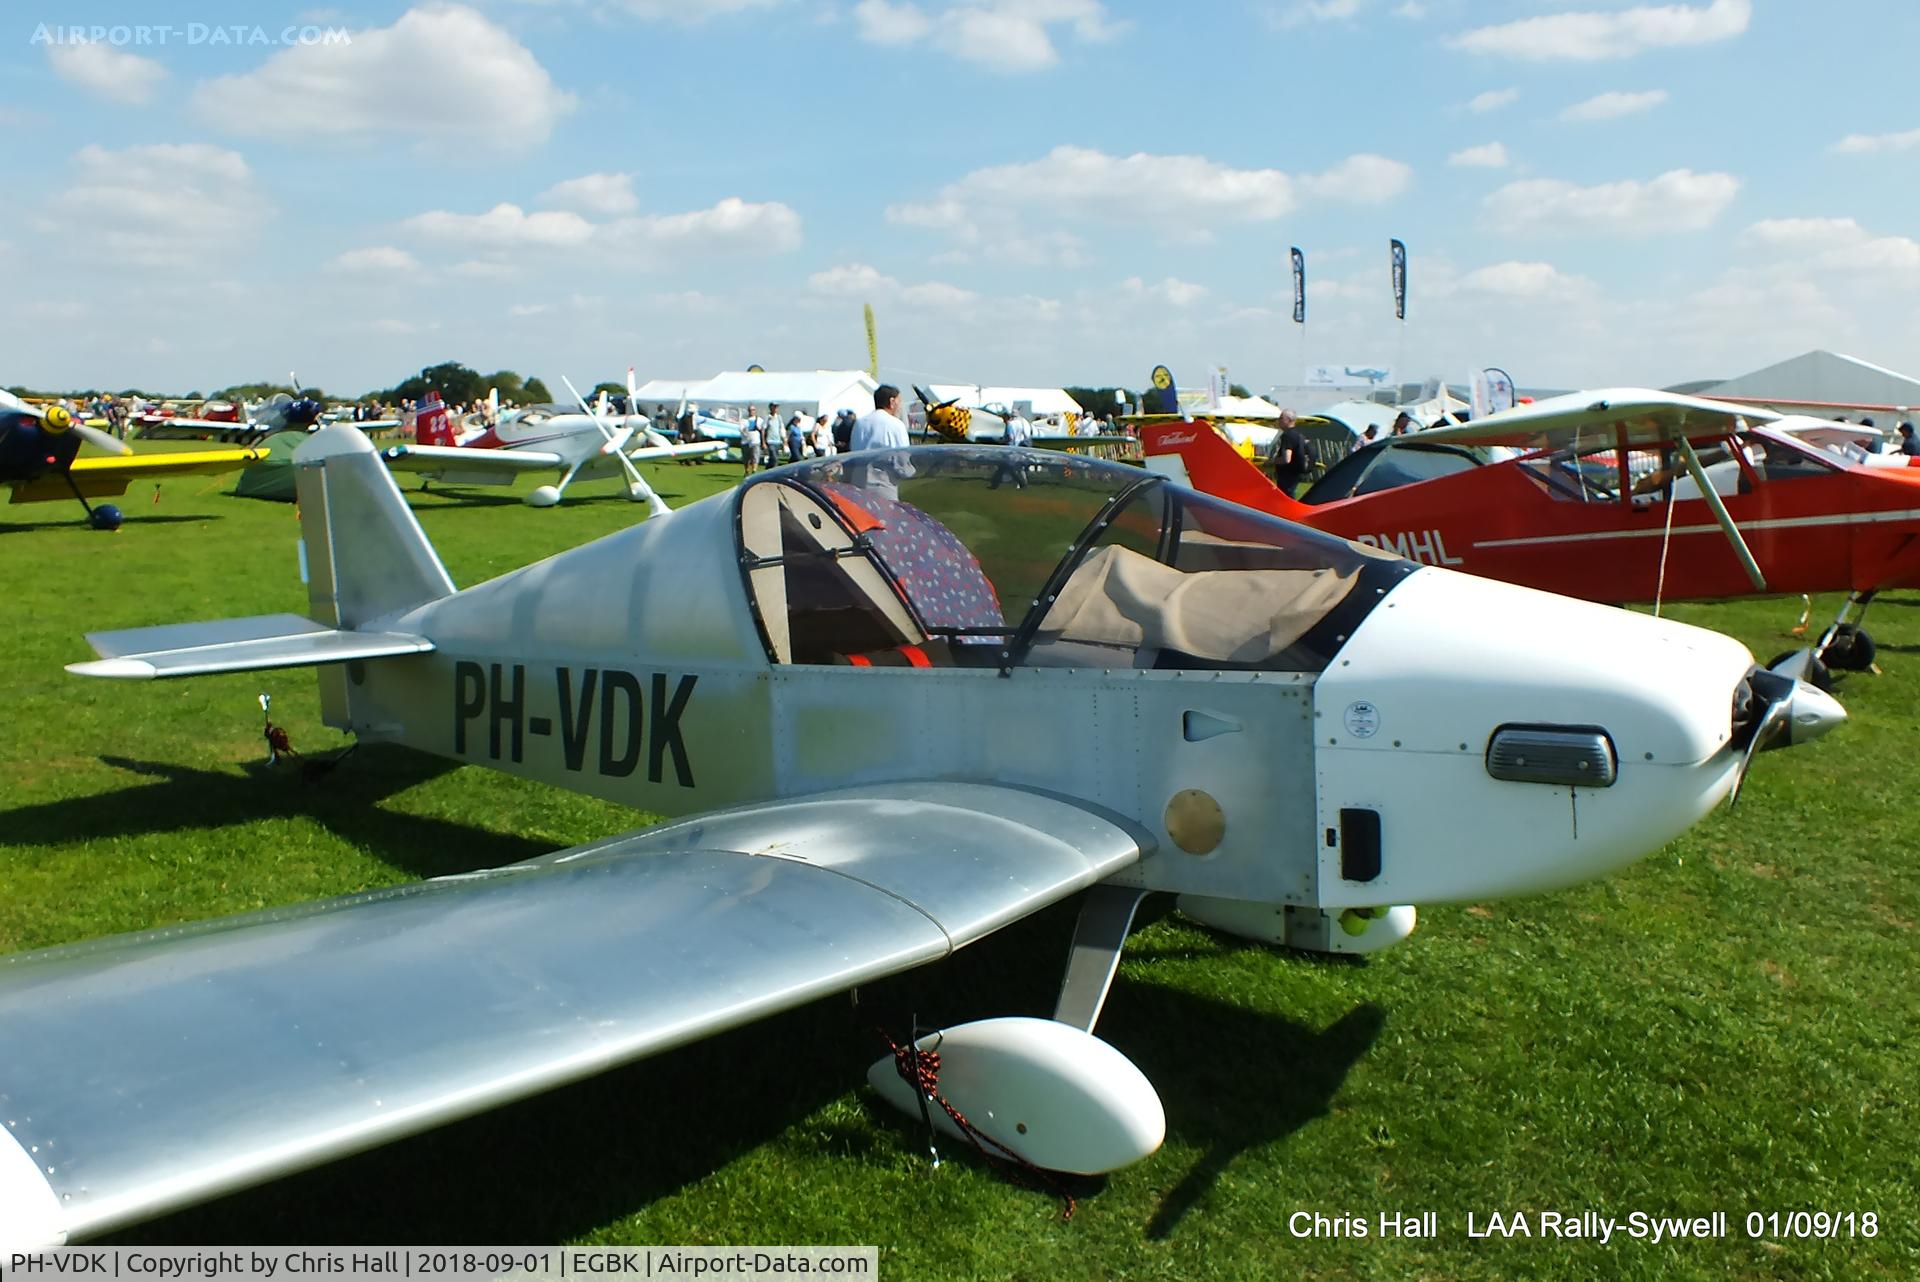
point(576, 443)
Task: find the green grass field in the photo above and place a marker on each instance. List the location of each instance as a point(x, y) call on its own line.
point(1731, 1025)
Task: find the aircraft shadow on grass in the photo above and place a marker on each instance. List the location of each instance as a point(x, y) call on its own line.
point(346, 801)
point(566, 1163)
point(134, 522)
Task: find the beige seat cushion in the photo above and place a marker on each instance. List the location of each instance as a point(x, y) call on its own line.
point(1118, 597)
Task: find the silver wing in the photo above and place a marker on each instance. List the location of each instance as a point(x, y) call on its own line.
point(1601, 418)
point(146, 1072)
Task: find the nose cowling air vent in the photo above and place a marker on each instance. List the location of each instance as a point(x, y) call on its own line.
point(1568, 756)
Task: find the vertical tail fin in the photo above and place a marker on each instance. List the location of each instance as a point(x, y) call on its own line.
point(432, 424)
point(364, 555)
point(1194, 453)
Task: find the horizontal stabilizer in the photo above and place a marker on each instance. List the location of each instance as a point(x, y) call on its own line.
point(235, 645)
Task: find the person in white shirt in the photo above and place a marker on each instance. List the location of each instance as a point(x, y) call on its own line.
point(750, 434)
point(883, 430)
point(822, 437)
point(1019, 431)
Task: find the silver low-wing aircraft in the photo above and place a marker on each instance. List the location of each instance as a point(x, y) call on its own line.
point(578, 444)
point(904, 705)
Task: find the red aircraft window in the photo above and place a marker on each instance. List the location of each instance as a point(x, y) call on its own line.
point(1780, 460)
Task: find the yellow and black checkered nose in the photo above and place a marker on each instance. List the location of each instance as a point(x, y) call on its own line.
point(950, 422)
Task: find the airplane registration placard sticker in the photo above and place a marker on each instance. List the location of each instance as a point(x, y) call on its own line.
point(1363, 719)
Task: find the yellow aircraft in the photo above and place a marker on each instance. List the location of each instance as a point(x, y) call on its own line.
point(38, 449)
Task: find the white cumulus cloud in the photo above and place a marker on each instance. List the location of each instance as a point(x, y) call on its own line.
point(376, 260)
point(1492, 100)
point(1009, 37)
point(594, 194)
point(1525, 280)
point(1304, 11)
point(1171, 291)
point(505, 226)
point(851, 280)
point(731, 225)
point(441, 71)
point(1492, 155)
point(1678, 200)
point(1358, 180)
point(1592, 36)
point(1867, 144)
point(1612, 106)
point(1841, 245)
point(106, 72)
point(884, 23)
point(213, 203)
point(938, 294)
point(689, 11)
point(869, 284)
point(1181, 196)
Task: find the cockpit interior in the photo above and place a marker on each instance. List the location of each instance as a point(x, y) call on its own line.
point(968, 556)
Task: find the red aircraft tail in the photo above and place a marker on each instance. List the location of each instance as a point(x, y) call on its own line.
point(1215, 467)
point(432, 425)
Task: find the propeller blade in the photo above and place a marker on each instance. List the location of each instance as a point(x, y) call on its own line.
point(1796, 712)
point(637, 485)
point(100, 440)
point(1774, 721)
point(605, 431)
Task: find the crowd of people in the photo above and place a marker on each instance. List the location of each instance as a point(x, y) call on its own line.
point(765, 437)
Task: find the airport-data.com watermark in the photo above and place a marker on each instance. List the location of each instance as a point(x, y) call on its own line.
point(123, 34)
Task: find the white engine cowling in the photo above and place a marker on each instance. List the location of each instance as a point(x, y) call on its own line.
point(1059, 1097)
point(1352, 930)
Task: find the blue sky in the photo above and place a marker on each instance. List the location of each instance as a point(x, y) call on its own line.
point(1052, 191)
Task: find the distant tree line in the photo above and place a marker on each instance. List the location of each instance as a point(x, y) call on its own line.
point(458, 384)
point(455, 382)
point(1100, 400)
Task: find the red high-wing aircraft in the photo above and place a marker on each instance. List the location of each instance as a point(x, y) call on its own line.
point(1623, 495)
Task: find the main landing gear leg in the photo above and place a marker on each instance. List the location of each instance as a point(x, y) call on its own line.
point(1045, 1093)
point(104, 517)
point(1098, 937)
point(1845, 645)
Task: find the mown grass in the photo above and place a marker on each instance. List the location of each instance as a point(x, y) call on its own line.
point(1728, 1026)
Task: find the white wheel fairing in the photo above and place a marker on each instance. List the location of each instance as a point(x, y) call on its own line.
point(30, 1217)
point(543, 496)
point(1445, 660)
point(1058, 1096)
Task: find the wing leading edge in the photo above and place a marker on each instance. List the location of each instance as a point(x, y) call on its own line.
point(106, 476)
point(149, 1071)
point(1599, 418)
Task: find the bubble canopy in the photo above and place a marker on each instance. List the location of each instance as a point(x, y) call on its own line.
point(969, 556)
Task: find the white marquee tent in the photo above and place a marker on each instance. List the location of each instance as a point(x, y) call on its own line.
point(815, 391)
point(1035, 402)
point(1822, 383)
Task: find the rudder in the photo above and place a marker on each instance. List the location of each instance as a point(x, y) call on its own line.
point(1196, 454)
point(433, 424)
point(364, 555)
